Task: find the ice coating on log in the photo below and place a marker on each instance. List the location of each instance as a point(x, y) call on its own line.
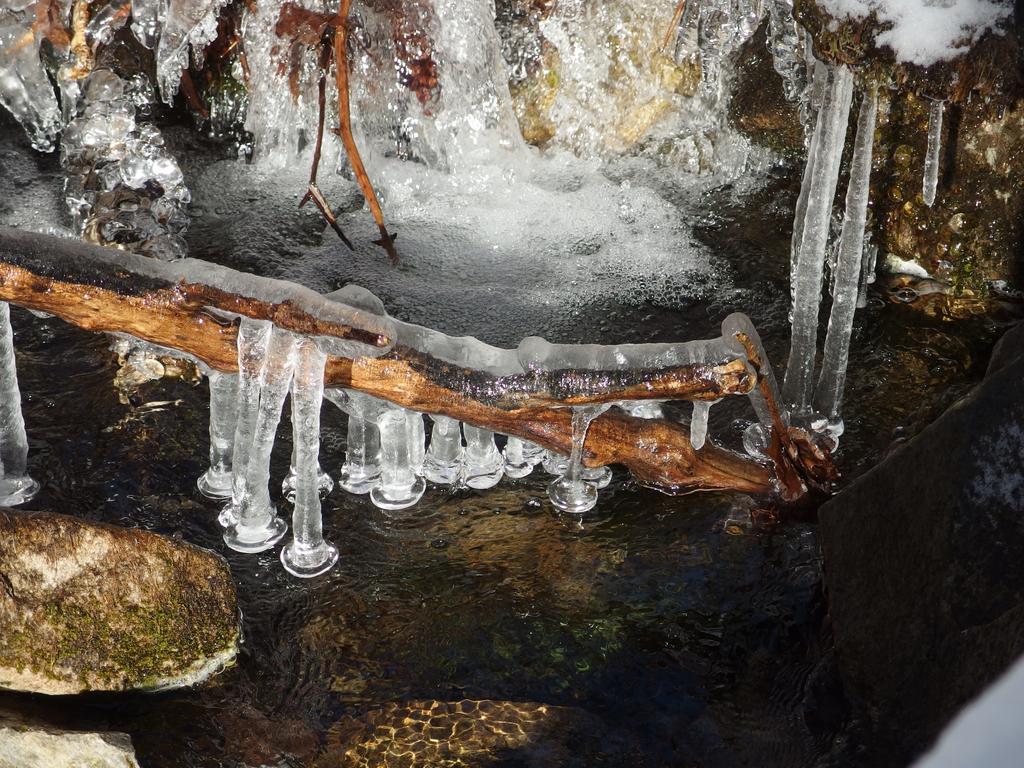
point(850, 253)
point(216, 482)
point(733, 327)
point(537, 354)
point(15, 484)
point(930, 182)
point(25, 89)
point(831, 130)
point(188, 25)
point(308, 554)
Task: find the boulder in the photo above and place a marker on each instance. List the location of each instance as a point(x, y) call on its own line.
point(90, 607)
point(923, 563)
point(25, 746)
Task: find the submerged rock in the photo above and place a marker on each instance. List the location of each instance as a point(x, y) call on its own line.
point(446, 734)
point(922, 562)
point(25, 746)
point(90, 607)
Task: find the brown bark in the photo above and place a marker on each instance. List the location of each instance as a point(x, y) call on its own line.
point(102, 289)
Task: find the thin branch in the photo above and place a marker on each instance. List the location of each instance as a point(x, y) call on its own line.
point(673, 29)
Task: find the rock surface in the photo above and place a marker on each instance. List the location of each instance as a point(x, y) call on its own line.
point(922, 562)
point(23, 746)
point(89, 607)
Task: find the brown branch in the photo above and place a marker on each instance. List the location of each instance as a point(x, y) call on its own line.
point(387, 240)
point(103, 289)
point(673, 29)
point(79, 45)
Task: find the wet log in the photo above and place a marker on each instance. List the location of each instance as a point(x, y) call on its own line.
point(103, 289)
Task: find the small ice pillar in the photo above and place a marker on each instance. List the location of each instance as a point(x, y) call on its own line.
point(699, 424)
point(215, 483)
point(417, 441)
point(571, 492)
point(361, 470)
point(521, 456)
point(849, 261)
point(443, 461)
point(930, 181)
point(482, 464)
point(555, 463)
point(253, 338)
point(324, 482)
point(308, 554)
point(399, 486)
point(16, 486)
point(256, 526)
point(809, 257)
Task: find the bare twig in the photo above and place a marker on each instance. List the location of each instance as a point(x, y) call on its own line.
point(673, 29)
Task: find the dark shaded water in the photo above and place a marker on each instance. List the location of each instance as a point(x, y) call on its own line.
point(664, 632)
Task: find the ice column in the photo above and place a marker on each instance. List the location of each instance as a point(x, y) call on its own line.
point(443, 461)
point(931, 160)
point(361, 470)
point(829, 394)
point(482, 465)
point(15, 484)
point(308, 554)
point(571, 493)
point(399, 486)
point(699, 424)
point(827, 143)
point(253, 337)
point(215, 483)
point(324, 482)
point(257, 526)
point(521, 456)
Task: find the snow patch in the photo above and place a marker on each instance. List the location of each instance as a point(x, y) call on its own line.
point(925, 32)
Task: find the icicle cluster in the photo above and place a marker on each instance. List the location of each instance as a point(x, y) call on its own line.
point(25, 89)
point(123, 187)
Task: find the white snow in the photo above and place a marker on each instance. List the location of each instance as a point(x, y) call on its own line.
point(925, 32)
point(987, 732)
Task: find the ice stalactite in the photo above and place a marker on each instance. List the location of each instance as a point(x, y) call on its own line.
point(215, 483)
point(146, 21)
point(255, 526)
point(25, 89)
point(15, 484)
point(308, 554)
point(443, 461)
point(699, 423)
point(827, 145)
point(521, 456)
point(400, 487)
point(360, 472)
point(482, 464)
point(849, 262)
point(187, 26)
point(571, 492)
point(786, 45)
point(930, 182)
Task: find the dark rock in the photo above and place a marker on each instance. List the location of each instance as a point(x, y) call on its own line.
point(89, 607)
point(922, 562)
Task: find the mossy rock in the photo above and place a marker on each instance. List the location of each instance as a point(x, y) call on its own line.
point(90, 607)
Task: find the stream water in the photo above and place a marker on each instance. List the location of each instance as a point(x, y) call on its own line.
point(663, 631)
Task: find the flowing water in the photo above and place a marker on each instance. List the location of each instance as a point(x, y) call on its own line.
point(663, 631)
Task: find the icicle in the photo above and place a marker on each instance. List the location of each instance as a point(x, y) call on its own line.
point(257, 526)
point(555, 463)
point(867, 271)
point(25, 89)
point(931, 160)
point(850, 252)
point(831, 132)
point(308, 554)
point(785, 43)
point(324, 482)
point(253, 337)
point(417, 441)
point(699, 424)
point(187, 25)
point(146, 21)
point(16, 486)
point(571, 493)
point(521, 456)
point(215, 483)
point(443, 461)
point(361, 471)
point(399, 486)
point(482, 465)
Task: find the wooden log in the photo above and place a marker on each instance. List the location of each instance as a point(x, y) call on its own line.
point(164, 303)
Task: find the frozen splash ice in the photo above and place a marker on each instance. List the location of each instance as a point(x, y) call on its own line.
point(188, 27)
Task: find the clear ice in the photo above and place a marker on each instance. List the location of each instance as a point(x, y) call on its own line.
point(699, 423)
point(25, 89)
point(16, 486)
point(400, 487)
point(215, 483)
point(308, 554)
point(571, 492)
point(809, 257)
point(443, 461)
point(521, 456)
point(361, 471)
point(482, 464)
point(930, 183)
point(849, 262)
